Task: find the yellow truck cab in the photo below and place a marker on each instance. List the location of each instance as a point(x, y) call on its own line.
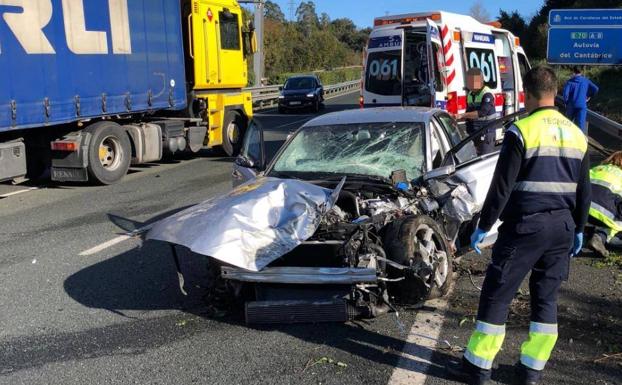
point(218, 44)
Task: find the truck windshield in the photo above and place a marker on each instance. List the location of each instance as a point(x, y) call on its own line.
point(374, 149)
point(299, 84)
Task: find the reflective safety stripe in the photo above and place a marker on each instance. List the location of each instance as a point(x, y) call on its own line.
point(536, 351)
point(565, 152)
point(491, 329)
point(484, 344)
point(607, 217)
point(538, 327)
point(546, 187)
point(532, 362)
point(607, 185)
point(477, 361)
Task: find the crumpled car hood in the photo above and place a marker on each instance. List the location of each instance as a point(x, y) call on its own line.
point(253, 225)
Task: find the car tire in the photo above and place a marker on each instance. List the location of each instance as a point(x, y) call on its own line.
point(232, 133)
point(316, 106)
point(407, 242)
point(109, 153)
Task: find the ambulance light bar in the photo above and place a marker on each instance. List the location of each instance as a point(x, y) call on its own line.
point(407, 19)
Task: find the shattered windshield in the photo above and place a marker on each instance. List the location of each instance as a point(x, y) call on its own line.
point(374, 149)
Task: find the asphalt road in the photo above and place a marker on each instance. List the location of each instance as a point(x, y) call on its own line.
point(116, 316)
point(81, 304)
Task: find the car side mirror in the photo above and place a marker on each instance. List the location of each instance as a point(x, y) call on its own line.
point(245, 162)
point(439, 172)
point(280, 88)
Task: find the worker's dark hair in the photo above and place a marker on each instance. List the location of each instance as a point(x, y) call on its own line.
point(576, 69)
point(540, 81)
point(474, 72)
point(615, 159)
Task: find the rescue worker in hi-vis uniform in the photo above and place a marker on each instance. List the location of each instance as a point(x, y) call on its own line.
point(480, 110)
point(541, 192)
point(606, 207)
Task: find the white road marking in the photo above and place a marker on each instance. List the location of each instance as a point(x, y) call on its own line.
point(105, 245)
point(18, 192)
point(421, 342)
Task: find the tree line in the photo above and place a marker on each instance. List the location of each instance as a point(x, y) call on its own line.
point(310, 42)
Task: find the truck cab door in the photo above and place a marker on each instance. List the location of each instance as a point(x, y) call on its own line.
point(252, 158)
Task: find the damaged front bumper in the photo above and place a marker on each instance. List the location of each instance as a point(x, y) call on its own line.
point(302, 275)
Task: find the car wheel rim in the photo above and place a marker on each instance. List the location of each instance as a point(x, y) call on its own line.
point(110, 153)
point(429, 248)
point(233, 133)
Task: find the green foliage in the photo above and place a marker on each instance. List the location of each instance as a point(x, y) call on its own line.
point(310, 43)
point(326, 77)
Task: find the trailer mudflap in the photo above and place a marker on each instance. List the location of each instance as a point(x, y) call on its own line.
point(60, 174)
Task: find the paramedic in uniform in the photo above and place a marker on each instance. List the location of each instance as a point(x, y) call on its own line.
point(541, 192)
point(480, 110)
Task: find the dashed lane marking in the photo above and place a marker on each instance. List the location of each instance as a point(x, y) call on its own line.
point(416, 359)
point(18, 192)
point(105, 245)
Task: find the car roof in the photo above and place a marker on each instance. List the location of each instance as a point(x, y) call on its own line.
point(375, 115)
point(302, 77)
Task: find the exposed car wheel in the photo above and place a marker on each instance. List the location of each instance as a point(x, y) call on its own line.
point(110, 152)
point(316, 106)
point(418, 243)
point(232, 133)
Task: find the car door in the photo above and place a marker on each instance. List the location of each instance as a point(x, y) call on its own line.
point(252, 158)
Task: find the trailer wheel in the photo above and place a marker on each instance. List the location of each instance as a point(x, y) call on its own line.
point(232, 133)
point(109, 153)
point(418, 242)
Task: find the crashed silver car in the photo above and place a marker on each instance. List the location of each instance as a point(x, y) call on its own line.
point(358, 211)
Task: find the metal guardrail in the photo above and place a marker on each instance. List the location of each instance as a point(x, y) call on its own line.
point(268, 96)
point(607, 125)
point(611, 129)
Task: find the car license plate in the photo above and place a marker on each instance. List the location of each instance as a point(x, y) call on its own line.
point(295, 103)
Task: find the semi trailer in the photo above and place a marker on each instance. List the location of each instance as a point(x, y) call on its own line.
point(89, 88)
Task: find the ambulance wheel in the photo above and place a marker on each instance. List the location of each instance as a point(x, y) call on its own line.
point(418, 243)
point(109, 153)
point(233, 133)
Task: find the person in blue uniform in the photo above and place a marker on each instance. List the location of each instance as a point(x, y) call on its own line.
point(480, 110)
point(577, 93)
point(541, 192)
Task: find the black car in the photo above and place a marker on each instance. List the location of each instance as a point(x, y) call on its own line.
point(301, 92)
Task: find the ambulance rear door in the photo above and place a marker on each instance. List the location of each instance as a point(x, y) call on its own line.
point(383, 68)
point(423, 84)
point(437, 63)
point(480, 51)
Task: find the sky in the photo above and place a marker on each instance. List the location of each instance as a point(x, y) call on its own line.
point(362, 12)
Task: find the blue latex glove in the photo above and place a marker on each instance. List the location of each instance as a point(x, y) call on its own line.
point(578, 244)
point(476, 238)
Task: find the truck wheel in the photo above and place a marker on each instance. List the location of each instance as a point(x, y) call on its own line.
point(418, 242)
point(232, 133)
point(110, 152)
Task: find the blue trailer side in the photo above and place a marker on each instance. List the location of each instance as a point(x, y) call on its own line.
point(67, 79)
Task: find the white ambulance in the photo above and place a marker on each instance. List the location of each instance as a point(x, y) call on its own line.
point(421, 59)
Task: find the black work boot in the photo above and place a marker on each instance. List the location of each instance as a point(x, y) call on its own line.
point(597, 243)
point(466, 372)
point(528, 376)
